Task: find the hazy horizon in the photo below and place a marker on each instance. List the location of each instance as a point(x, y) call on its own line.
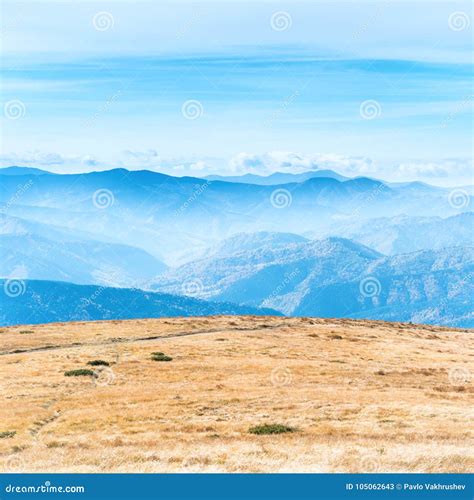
point(200, 175)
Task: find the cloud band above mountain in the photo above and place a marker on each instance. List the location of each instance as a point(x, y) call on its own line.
point(449, 171)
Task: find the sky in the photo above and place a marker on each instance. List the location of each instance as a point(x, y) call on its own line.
point(192, 88)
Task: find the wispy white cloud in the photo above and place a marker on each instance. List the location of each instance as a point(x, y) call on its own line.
point(450, 171)
point(148, 159)
point(151, 159)
point(283, 161)
point(448, 168)
point(367, 28)
point(46, 160)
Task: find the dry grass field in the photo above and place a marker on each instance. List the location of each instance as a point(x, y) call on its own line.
point(361, 396)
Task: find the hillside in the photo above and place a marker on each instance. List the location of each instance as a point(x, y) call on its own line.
point(403, 234)
point(33, 302)
point(269, 267)
point(361, 396)
point(334, 277)
point(46, 252)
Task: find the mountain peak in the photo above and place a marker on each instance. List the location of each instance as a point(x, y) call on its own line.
point(14, 170)
point(278, 178)
point(336, 243)
point(244, 242)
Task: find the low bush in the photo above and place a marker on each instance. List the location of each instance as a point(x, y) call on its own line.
point(98, 362)
point(271, 429)
point(160, 356)
point(82, 372)
point(7, 434)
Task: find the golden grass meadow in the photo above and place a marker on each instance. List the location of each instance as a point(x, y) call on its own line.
point(360, 396)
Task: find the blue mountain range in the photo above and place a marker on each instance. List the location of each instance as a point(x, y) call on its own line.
point(315, 244)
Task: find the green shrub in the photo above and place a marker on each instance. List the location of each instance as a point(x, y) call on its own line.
point(7, 434)
point(79, 373)
point(271, 429)
point(98, 362)
point(26, 331)
point(160, 356)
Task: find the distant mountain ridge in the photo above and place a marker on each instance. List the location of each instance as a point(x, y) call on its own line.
point(40, 251)
point(177, 218)
point(243, 242)
point(404, 234)
point(22, 171)
point(251, 274)
point(336, 277)
point(278, 177)
point(36, 302)
point(305, 247)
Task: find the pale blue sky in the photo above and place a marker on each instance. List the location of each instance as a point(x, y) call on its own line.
point(98, 98)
